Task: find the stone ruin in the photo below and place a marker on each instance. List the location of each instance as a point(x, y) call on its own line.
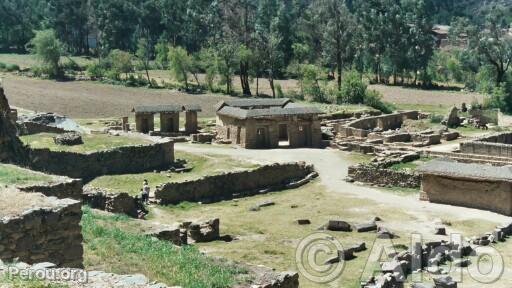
point(68, 139)
point(12, 149)
point(374, 133)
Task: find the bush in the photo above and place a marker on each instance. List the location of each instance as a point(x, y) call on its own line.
point(436, 119)
point(2, 66)
point(12, 67)
point(373, 99)
point(96, 70)
point(353, 89)
point(279, 91)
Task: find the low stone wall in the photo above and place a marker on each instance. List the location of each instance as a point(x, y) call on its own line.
point(121, 160)
point(361, 127)
point(66, 188)
point(48, 234)
point(384, 177)
point(499, 144)
point(30, 128)
point(235, 184)
point(110, 202)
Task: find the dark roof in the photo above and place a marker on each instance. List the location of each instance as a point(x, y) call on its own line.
point(192, 108)
point(254, 103)
point(167, 108)
point(450, 168)
point(273, 111)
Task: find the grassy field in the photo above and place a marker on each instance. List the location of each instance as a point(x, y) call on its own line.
point(203, 165)
point(92, 142)
point(14, 175)
point(25, 61)
point(270, 237)
point(109, 248)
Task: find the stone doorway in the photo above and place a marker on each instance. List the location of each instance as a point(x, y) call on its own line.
point(144, 125)
point(261, 138)
point(284, 138)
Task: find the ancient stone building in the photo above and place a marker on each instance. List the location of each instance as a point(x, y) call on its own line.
point(169, 118)
point(268, 123)
point(469, 185)
point(498, 145)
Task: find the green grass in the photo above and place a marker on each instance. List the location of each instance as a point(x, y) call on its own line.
point(436, 109)
point(92, 142)
point(115, 250)
point(18, 282)
point(14, 175)
point(402, 166)
point(202, 165)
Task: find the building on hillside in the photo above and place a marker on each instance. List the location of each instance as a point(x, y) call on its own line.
point(169, 118)
point(469, 185)
point(441, 33)
point(268, 123)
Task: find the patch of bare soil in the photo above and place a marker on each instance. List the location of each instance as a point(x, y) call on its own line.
point(400, 95)
point(87, 100)
point(20, 202)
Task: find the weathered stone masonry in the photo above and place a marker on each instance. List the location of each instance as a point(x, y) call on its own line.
point(121, 160)
point(233, 184)
point(499, 145)
point(49, 234)
point(66, 188)
point(385, 177)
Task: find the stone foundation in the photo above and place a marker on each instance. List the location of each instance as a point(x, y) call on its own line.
point(121, 160)
point(110, 202)
point(47, 234)
point(234, 184)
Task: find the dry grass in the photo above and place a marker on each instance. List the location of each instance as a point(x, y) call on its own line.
point(15, 202)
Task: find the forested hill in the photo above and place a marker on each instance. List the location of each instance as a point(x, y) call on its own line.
point(443, 11)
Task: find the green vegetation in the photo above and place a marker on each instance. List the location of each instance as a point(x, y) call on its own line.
point(48, 49)
point(119, 251)
point(202, 165)
point(92, 142)
point(14, 175)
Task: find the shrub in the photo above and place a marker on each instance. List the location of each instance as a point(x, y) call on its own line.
point(373, 99)
point(353, 89)
point(96, 70)
point(12, 67)
point(436, 119)
point(279, 91)
point(121, 63)
point(2, 66)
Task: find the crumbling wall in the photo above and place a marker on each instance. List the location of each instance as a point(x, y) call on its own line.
point(110, 202)
point(50, 234)
point(30, 128)
point(384, 177)
point(64, 188)
point(233, 184)
point(121, 160)
point(361, 127)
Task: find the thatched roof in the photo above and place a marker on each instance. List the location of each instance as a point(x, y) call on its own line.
point(268, 112)
point(253, 103)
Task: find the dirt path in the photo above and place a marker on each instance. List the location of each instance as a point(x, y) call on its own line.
point(332, 166)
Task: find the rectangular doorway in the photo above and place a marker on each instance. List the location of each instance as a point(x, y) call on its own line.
point(261, 138)
point(284, 137)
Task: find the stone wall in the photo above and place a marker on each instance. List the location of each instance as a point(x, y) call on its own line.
point(121, 160)
point(499, 144)
point(63, 188)
point(110, 202)
point(30, 128)
point(494, 196)
point(234, 184)
point(50, 234)
point(384, 177)
point(361, 127)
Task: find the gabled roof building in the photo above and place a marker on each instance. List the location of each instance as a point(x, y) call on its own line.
point(268, 123)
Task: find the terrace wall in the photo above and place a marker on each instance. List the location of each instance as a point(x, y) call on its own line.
point(235, 184)
point(384, 177)
point(65, 188)
point(44, 235)
point(121, 160)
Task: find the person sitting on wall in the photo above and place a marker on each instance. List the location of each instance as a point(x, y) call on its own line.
point(145, 192)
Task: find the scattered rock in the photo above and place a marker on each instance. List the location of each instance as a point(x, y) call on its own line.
point(68, 139)
point(338, 225)
point(359, 247)
point(365, 227)
point(204, 232)
point(440, 230)
point(303, 221)
point(167, 234)
point(383, 233)
point(445, 282)
point(259, 205)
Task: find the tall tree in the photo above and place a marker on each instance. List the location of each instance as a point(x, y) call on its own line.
point(339, 28)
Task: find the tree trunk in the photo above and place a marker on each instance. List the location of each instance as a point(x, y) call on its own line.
point(257, 86)
point(147, 75)
point(271, 81)
point(244, 78)
point(340, 67)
